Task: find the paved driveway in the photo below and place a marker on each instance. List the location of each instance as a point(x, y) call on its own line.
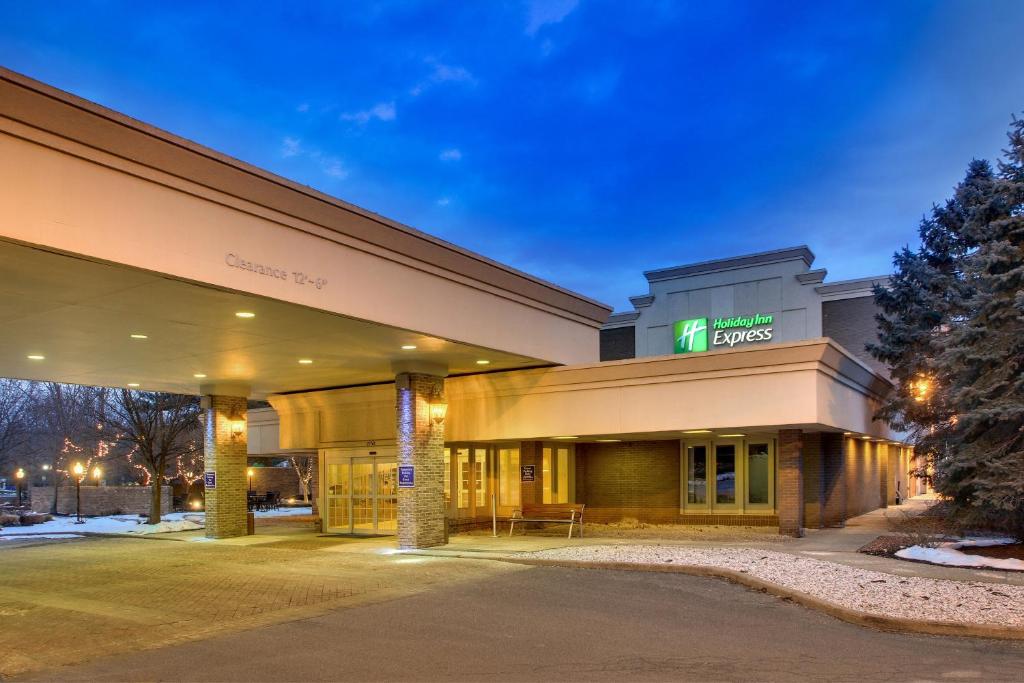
point(563, 624)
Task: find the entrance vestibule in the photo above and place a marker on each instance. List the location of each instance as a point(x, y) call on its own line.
point(361, 490)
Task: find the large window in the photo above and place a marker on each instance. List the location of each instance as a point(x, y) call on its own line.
point(508, 476)
point(728, 474)
point(558, 474)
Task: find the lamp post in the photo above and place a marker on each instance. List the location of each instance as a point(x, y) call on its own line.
point(97, 474)
point(19, 476)
point(79, 471)
point(250, 473)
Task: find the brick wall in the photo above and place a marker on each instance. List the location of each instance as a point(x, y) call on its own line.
point(833, 455)
point(422, 521)
point(851, 322)
point(814, 480)
point(282, 480)
point(101, 500)
point(790, 498)
point(618, 343)
point(226, 455)
point(631, 474)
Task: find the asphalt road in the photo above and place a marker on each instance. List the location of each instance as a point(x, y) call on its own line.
point(557, 624)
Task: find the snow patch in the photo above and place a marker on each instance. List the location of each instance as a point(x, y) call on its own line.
point(949, 555)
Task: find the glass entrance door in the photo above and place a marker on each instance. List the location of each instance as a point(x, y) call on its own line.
point(361, 492)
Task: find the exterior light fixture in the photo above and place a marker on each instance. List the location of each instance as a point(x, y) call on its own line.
point(133, 384)
point(36, 356)
point(696, 431)
point(438, 410)
point(249, 472)
point(732, 436)
point(196, 505)
point(564, 438)
point(483, 362)
point(19, 475)
point(245, 314)
point(46, 467)
point(79, 470)
point(608, 440)
point(237, 426)
point(305, 361)
point(139, 336)
point(408, 347)
point(97, 473)
point(865, 438)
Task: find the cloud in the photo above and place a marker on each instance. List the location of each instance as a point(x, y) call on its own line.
point(291, 147)
point(452, 154)
point(541, 13)
point(331, 166)
point(382, 111)
point(443, 73)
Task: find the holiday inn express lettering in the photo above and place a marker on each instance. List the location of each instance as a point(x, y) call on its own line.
point(691, 336)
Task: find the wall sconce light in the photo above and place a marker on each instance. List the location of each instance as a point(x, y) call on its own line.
point(237, 424)
point(438, 410)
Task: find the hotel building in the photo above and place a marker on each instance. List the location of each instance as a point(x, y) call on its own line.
point(436, 386)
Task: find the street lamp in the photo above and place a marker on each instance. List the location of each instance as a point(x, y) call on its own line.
point(19, 475)
point(79, 471)
point(250, 473)
point(97, 474)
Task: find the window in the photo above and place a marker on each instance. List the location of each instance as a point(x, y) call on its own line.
point(558, 474)
point(725, 474)
point(758, 474)
point(465, 475)
point(508, 476)
point(697, 475)
point(480, 476)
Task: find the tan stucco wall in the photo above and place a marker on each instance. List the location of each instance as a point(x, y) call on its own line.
point(782, 385)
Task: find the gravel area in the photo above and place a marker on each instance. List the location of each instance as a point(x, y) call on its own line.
point(870, 592)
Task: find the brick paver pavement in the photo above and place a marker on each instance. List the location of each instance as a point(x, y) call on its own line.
point(69, 602)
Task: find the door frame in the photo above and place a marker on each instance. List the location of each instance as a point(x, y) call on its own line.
point(376, 455)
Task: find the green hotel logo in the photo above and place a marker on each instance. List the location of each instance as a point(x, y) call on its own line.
point(691, 335)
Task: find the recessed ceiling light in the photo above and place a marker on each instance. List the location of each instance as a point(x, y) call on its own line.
point(36, 356)
point(564, 438)
point(199, 375)
point(139, 336)
point(608, 440)
point(133, 384)
point(305, 361)
point(731, 436)
point(865, 438)
point(483, 362)
point(245, 314)
point(408, 347)
point(696, 431)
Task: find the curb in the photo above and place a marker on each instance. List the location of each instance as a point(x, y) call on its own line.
point(898, 624)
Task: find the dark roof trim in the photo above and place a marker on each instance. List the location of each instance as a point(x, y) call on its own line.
point(801, 252)
point(46, 108)
point(843, 286)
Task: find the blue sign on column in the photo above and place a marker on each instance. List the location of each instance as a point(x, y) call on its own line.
point(210, 480)
point(406, 476)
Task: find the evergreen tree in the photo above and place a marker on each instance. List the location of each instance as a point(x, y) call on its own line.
point(950, 329)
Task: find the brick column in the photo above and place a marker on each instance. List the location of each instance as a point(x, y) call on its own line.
point(421, 518)
point(833, 458)
point(791, 484)
point(225, 455)
point(814, 480)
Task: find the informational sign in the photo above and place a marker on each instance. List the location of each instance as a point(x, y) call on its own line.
point(406, 476)
point(210, 480)
point(527, 472)
point(691, 336)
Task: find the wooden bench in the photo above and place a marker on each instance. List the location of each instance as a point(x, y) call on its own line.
point(571, 514)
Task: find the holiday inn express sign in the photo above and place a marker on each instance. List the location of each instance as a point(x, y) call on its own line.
point(691, 336)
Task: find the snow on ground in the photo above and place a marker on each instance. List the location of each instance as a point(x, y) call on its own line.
point(848, 587)
point(63, 537)
point(949, 554)
point(284, 512)
point(110, 524)
point(128, 524)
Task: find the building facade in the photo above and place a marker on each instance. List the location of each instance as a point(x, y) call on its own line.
point(437, 387)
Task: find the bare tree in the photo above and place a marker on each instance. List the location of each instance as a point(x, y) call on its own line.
point(64, 424)
point(303, 465)
point(15, 402)
point(157, 426)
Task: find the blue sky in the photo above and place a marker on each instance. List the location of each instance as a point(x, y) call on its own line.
point(581, 141)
